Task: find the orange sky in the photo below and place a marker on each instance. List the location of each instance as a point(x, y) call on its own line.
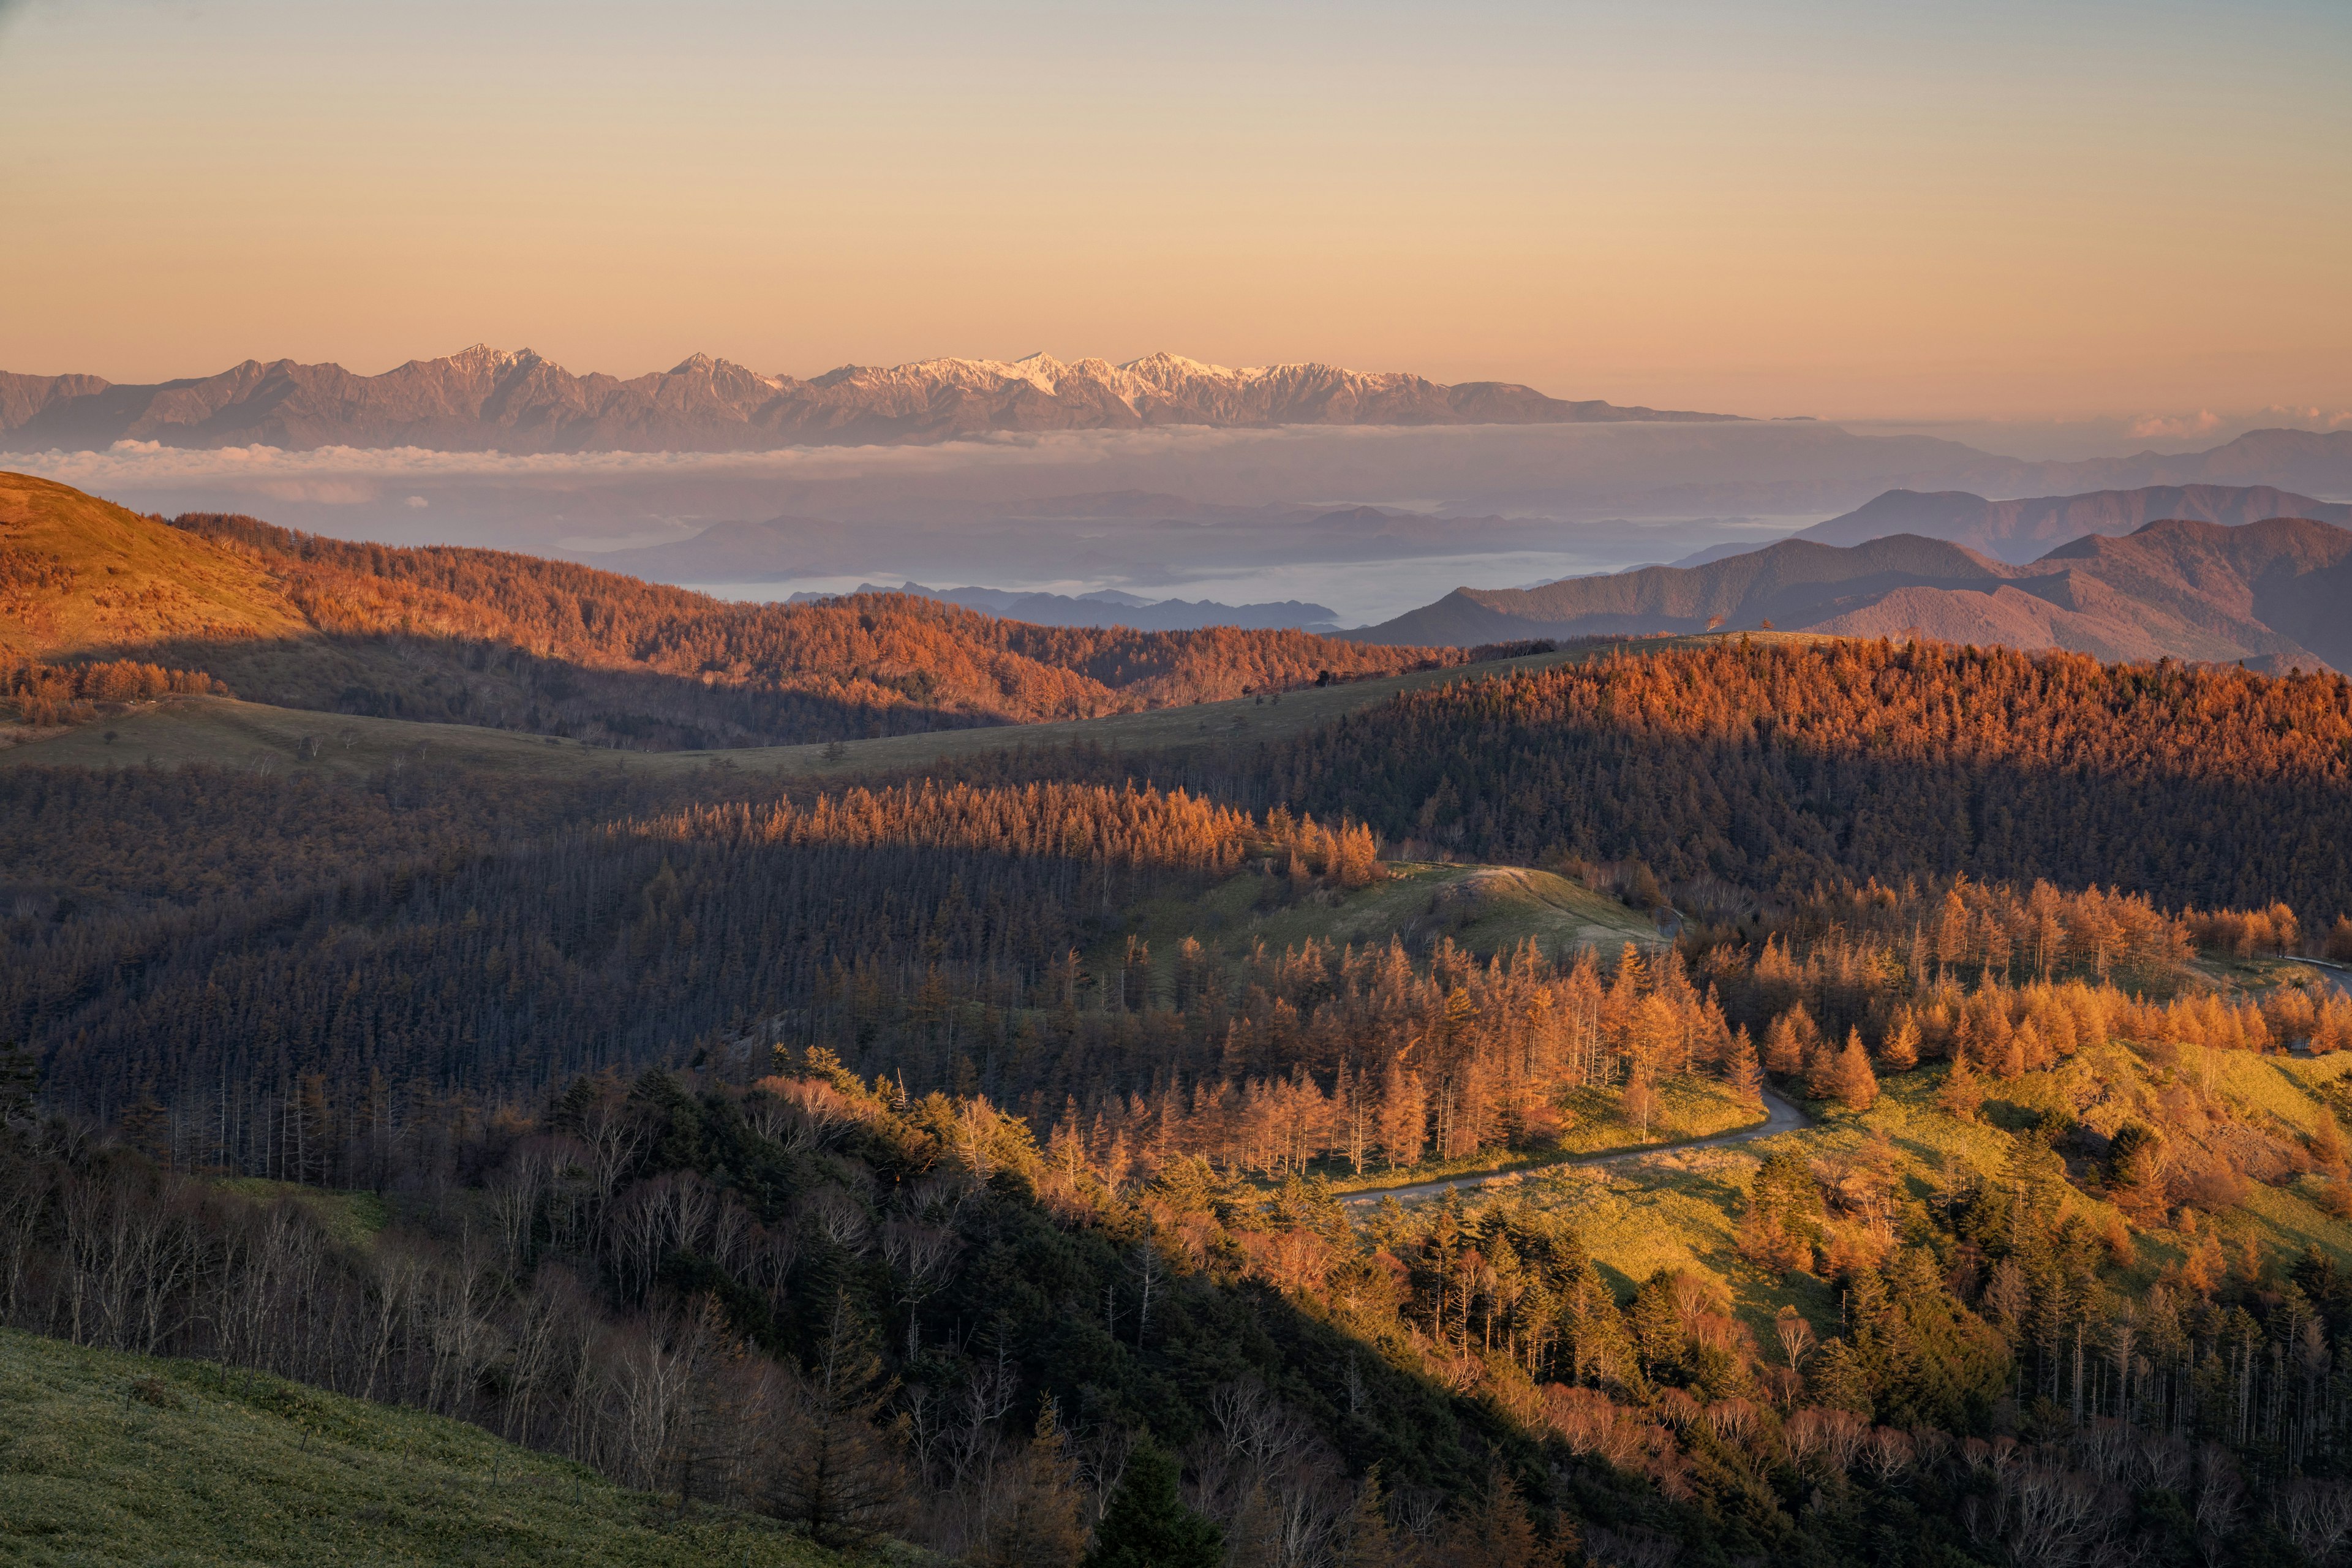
point(1852, 211)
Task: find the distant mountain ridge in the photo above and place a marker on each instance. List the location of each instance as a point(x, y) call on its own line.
point(2270, 593)
point(2026, 530)
point(486, 399)
point(1109, 607)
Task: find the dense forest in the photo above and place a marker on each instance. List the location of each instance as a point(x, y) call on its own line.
point(868, 1311)
point(1771, 767)
point(874, 1154)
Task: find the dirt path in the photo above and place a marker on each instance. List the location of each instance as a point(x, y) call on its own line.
point(1780, 1116)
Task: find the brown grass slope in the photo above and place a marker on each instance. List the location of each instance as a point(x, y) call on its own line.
point(2268, 592)
point(507, 641)
point(81, 576)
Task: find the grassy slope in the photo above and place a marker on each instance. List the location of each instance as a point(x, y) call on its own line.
point(269, 1471)
point(133, 579)
point(217, 729)
point(1682, 1210)
point(1486, 908)
point(1687, 1108)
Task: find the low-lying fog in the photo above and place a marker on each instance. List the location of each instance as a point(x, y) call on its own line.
point(1233, 515)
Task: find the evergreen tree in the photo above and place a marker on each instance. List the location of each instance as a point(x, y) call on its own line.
point(1963, 1093)
point(1742, 1073)
point(1038, 1524)
point(1366, 1538)
point(1851, 1083)
point(1147, 1524)
point(1493, 1532)
point(1841, 1379)
point(838, 1474)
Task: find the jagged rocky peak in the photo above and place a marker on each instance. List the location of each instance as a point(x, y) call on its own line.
point(514, 400)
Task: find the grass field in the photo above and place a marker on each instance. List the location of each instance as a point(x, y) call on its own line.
point(232, 733)
point(1681, 1210)
point(1486, 908)
point(108, 1459)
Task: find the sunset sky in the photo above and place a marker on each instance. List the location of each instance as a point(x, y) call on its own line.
point(1865, 210)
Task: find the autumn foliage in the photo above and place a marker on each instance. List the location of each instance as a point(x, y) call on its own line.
point(518, 641)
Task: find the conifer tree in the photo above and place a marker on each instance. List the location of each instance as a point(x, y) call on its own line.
point(1639, 1103)
point(1900, 1049)
point(1366, 1538)
point(1821, 1071)
point(1147, 1524)
point(1851, 1083)
point(838, 1473)
point(1742, 1073)
point(1254, 1539)
point(1493, 1532)
point(1841, 1380)
point(1357, 863)
point(1963, 1091)
point(1404, 1116)
point(20, 1076)
point(1037, 1524)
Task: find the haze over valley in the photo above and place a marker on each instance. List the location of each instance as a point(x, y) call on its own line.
point(1162, 479)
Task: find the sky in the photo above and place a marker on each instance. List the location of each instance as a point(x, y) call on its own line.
point(1893, 211)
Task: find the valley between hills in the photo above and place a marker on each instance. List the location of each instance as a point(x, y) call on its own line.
point(542, 1064)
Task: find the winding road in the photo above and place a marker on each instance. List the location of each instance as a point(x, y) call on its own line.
point(2334, 974)
point(1780, 1116)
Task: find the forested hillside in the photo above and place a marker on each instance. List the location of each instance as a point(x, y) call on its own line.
point(997, 1160)
point(1773, 767)
point(485, 637)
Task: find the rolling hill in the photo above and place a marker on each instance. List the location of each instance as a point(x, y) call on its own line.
point(486, 399)
point(79, 576)
point(484, 637)
point(2261, 592)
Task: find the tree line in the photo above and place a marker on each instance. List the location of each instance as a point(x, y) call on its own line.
point(47, 694)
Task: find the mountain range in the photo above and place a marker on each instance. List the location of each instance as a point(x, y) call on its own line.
point(490, 399)
point(2022, 530)
point(2270, 593)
